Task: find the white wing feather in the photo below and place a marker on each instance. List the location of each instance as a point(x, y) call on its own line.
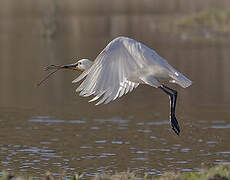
point(121, 66)
point(109, 75)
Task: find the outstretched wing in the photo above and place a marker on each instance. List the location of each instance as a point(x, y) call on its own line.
point(108, 77)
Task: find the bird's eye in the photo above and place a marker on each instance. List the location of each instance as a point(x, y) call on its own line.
point(79, 63)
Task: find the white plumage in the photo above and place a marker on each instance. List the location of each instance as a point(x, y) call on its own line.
point(122, 65)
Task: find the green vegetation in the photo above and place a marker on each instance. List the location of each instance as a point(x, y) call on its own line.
point(216, 19)
point(209, 23)
point(220, 172)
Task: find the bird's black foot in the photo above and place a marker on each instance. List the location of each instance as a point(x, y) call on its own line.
point(175, 125)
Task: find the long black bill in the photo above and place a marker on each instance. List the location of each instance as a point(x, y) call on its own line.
point(173, 97)
point(51, 67)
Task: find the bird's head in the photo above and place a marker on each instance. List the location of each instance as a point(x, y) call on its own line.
point(81, 65)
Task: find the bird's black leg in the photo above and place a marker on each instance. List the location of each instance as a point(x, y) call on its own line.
point(173, 97)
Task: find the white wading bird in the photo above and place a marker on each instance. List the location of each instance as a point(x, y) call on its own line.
point(122, 65)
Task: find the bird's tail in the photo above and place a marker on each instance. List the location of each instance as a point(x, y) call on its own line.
point(180, 79)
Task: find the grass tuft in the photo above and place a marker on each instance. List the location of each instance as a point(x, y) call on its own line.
point(219, 172)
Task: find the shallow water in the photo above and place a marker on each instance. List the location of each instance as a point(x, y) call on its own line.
point(38, 143)
point(51, 128)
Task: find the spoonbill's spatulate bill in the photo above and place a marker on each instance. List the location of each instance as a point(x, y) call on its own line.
point(122, 65)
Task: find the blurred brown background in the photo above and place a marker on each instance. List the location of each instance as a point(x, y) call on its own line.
point(34, 34)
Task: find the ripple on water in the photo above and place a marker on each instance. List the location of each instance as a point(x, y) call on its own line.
point(186, 170)
point(140, 159)
point(123, 128)
point(141, 152)
point(185, 149)
point(45, 142)
point(113, 120)
point(181, 162)
point(88, 157)
point(77, 122)
point(85, 147)
point(223, 153)
point(103, 155)
point(162, 150)
point(94, 128)
point(50, 120)
point(227, 126)
point(211, 143)
point(144, 130)
point(101, 141)
point(218, 121)
point(158, 123)
point(117, 142)
point(46, 120)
